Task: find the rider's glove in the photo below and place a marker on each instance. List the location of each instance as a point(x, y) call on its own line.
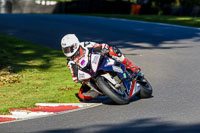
point(117, 51)
point(105, 51)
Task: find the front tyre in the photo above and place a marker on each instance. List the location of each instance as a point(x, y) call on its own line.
point(111, 93)
point(146, 89)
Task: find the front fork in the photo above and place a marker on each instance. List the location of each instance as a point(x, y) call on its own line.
point(136, 79)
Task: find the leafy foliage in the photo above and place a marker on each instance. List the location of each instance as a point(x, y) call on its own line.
point(7, 77)
point(190, 2)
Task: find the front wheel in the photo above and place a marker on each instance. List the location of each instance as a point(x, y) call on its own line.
point(107, 88)
point(146, 89)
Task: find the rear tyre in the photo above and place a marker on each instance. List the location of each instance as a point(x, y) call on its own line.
point(108, 91)
point(146, 89)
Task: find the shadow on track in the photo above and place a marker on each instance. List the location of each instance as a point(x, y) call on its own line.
point(151, 125)
point(49, 29)
point(107, 101)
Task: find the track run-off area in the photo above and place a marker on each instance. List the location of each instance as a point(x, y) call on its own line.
point(167, 54)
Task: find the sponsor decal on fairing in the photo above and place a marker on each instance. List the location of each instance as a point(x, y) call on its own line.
point(83, 75)
point(110, 62)
point(83, 62)
point(117, 69)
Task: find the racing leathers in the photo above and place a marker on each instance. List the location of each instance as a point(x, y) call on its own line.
point(83, 52)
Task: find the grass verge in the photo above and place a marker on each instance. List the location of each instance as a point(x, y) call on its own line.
point(30, 73)
point(184, 21)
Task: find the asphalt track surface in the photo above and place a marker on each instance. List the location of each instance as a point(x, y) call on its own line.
point(168, 55)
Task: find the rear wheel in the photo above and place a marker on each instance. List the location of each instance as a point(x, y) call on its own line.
point(117, 95)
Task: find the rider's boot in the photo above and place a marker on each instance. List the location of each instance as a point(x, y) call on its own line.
point(131, 66)
point(136, 70)
point(116, 54)
point(85, 93)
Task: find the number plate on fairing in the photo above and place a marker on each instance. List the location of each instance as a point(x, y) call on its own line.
point(95, 61)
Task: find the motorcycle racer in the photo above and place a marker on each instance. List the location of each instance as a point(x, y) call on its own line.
point(76, 51)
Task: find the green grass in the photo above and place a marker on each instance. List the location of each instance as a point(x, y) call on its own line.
point(30, 73)
point(185, 21)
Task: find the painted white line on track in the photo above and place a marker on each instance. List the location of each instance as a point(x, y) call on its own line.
point(91, 105)
point(162, 24)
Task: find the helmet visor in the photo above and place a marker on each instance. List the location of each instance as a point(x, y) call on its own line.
point(68, 50)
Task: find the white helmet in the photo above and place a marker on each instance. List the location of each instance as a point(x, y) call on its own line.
point(70, 44)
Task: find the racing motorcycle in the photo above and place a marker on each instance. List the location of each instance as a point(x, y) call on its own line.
point(111, 78)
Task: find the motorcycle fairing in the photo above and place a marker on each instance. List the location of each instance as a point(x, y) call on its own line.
point(124, 76)
point(109, 65)
point(95, 58)
point(83, 75)
point(108, 77)
point(134, 89)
